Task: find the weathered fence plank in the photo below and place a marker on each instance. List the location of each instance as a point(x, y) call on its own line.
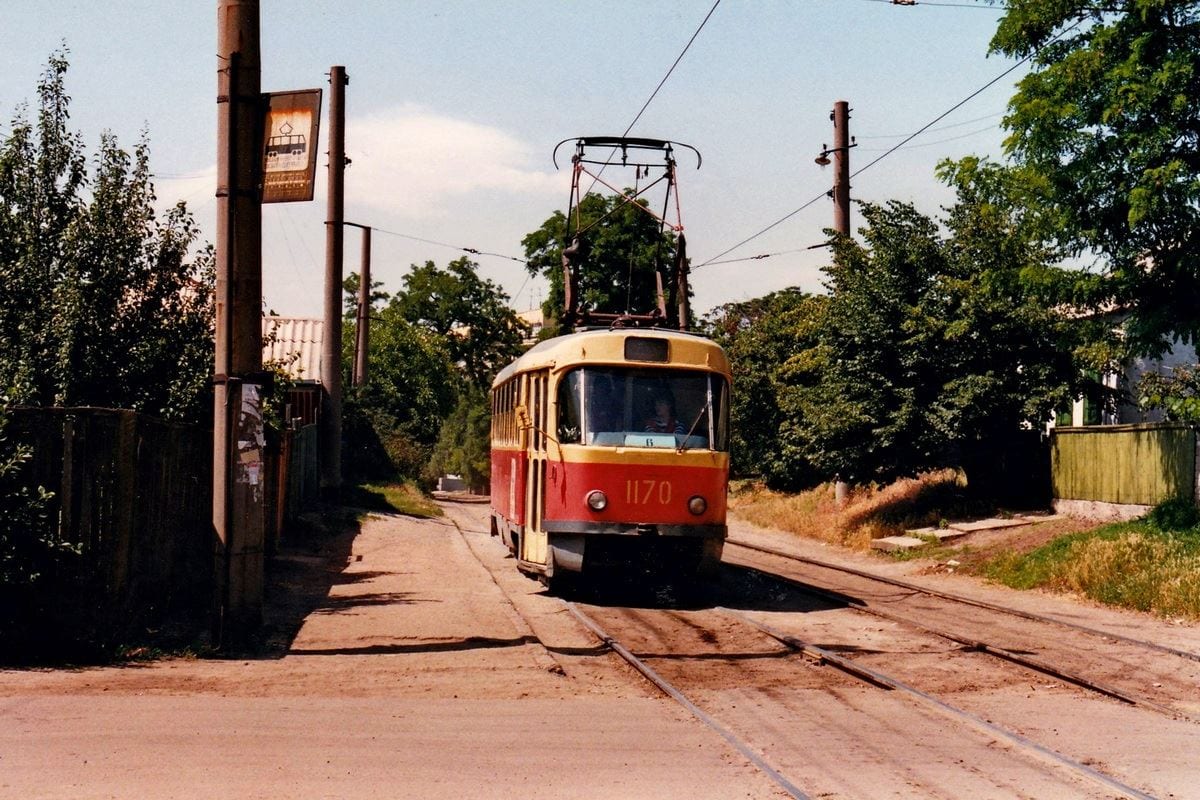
point(1124, 464)
point(133, 494)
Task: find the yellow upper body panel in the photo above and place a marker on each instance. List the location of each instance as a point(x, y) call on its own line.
point(684, 350)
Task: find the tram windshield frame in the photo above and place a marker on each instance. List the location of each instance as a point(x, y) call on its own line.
point(622, 406)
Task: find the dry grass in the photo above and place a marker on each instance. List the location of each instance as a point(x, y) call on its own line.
point(870, 512)
point(1132, 565)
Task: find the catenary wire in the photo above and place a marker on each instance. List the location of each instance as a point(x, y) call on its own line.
point(891, 149)
point(674, 64)
point(471, 250)
point(654, 94)
point(988, 7)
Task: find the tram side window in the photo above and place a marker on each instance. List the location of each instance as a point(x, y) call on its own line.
point(504, 427)
point(569, 389)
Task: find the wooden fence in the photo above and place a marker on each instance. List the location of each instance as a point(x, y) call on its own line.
point(1124, 464)
point(133, 496)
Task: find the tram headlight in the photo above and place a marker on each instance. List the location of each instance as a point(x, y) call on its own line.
point(597, 500)
point(697, 505)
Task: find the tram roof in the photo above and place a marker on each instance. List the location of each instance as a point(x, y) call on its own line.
point(607, 346)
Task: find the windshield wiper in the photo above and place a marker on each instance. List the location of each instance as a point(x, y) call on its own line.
point(691, 430)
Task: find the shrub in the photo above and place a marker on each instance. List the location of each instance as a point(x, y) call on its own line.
point(1175, 514)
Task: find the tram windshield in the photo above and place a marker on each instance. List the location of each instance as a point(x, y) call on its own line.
point(632, 407)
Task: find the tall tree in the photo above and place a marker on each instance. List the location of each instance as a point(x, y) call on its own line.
point(1108, 121)
point(622, 246)
point(471, 313)
point(770, 341)
point(934, 351)
point(105, 302)
point(392, 422)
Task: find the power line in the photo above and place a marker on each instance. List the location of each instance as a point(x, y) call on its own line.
point(654, 94)
point(975, 132)
point(894, 148)
point(988, 7)
point(941, 128)
point(471, 250)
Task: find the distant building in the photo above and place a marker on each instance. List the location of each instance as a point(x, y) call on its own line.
point(294, 344)
point(535, 320)
point(1096, 406)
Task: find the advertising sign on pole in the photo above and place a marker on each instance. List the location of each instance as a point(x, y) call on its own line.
point(290, 128)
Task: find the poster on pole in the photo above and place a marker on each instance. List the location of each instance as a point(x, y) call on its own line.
point(290, 127)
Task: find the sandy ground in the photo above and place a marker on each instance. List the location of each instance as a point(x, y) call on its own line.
point(414, 661)
point(413, 677)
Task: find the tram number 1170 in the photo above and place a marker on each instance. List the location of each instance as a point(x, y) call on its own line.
point(644, 492)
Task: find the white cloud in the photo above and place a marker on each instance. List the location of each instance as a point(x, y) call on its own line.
point(418, 163)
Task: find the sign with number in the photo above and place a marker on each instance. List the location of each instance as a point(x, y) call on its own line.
point(645, 492)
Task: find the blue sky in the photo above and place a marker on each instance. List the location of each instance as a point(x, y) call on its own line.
point(454, 108)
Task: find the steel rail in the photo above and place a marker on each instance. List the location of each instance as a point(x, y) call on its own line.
point(679, 697)
point(976, 645)
point(880, 679)
point(1016, 612)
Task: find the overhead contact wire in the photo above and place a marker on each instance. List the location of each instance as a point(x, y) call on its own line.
point(661, 83)
point(471, 250)
point(892, 149)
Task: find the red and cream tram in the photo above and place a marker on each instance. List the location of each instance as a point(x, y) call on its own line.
point(609, 449)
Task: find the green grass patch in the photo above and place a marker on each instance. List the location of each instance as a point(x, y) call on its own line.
point(1132, 565)
point(392, 498)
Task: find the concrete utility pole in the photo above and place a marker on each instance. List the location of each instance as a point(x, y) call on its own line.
point(362, 331)
point(841, 210)
point(331, 351)
point(238, 441)
point(841, 167)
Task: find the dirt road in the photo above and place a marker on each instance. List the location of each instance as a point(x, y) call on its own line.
point(414, 676)
point(414, 661)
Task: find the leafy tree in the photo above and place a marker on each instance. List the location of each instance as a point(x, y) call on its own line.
point(470, 313)
point(622, 248)
point(1107, 123)
point(392, 422)
point(933, 351)
point(863, 417)
point(463, 445)
point(1176, 394)
point(769, 341)
point(27, 545)
point(434, 348)
point(103, 303)
point(350, 286)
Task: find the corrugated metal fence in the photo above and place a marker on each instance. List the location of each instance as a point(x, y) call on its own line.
point(1125, 464)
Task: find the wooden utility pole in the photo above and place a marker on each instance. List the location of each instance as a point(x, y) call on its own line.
point(362, 329)
point(331, 351)
point(238, 441)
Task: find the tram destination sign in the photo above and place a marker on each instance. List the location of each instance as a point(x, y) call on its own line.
point(291, 122)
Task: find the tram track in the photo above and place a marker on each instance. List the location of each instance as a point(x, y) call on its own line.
point(853, 731)
point(869, 676)
point(970, 601)
point(1123, 680)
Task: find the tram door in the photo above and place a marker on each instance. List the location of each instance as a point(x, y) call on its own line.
point(533, 543)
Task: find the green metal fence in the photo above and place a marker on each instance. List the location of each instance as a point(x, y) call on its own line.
point(1127, 464)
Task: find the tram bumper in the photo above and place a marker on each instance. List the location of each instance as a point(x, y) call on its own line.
point(587, 546)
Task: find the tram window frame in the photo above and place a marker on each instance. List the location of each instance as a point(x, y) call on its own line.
point(580, 402)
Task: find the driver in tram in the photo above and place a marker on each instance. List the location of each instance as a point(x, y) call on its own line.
point(664, 420)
